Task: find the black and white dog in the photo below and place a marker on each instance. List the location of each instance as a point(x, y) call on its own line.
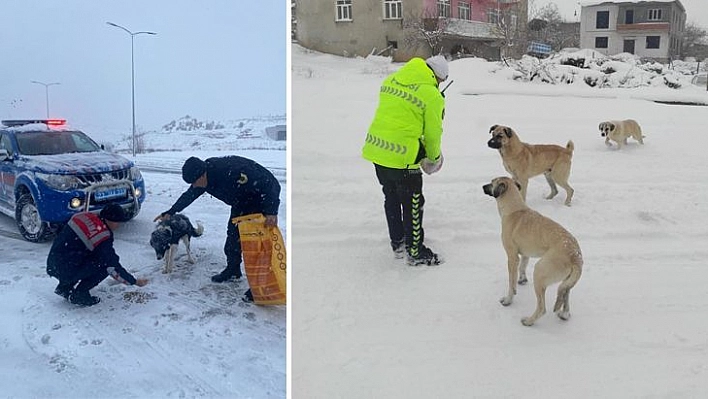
point(167, 235)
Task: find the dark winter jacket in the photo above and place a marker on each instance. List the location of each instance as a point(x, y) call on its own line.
point(84, 242)
point(239, 182)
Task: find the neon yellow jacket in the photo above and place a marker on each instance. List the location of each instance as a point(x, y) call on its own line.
point(410, 110)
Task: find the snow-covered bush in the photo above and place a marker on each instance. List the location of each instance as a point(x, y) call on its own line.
point(623, 70)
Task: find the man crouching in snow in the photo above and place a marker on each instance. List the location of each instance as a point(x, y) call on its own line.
point(82, 255)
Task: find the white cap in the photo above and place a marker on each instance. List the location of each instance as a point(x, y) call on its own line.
point(438, 64)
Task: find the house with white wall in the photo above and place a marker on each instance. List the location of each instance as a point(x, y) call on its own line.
point(648, 28)
point(363, 27)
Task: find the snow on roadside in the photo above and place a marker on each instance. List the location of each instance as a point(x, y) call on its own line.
point(179, 336)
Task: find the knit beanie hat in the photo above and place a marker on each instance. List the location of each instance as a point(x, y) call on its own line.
point(438, 64)
point(113, 213)
point(193, 169)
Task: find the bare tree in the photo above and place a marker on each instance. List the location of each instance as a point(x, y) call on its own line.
point(425, 30)
point(548, 26)
point(694, 41)
point(508, 26)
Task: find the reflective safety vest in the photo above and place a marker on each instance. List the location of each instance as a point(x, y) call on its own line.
point(90, 229)
point(410, 112)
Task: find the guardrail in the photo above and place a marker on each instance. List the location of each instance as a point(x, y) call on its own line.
point(176, 168)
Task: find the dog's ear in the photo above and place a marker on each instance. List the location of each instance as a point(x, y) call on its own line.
point(508, 132)
point(612, 126)
point(491, 129)
point(499, 190)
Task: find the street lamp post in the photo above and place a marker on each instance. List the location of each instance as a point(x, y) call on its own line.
point(46, 91)
point(132, 68)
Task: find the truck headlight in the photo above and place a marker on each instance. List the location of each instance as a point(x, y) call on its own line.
point(135, 173)
point(59, 182)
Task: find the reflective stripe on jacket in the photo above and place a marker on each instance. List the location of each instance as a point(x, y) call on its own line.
point(90, 229)
point(410, 111)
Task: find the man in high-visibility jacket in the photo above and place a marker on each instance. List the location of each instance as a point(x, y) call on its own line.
point(404, 137)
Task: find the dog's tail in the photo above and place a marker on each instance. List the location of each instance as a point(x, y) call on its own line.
point(576, 269)
point(198, 231)
point(570, 146)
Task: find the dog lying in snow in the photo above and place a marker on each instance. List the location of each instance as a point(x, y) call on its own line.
point(168, 232)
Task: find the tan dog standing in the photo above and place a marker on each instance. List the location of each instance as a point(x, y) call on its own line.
point(526, 233)
point(524, 161)
point(620, 131)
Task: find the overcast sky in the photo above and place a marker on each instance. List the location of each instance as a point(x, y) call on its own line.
point(696, 10)
point(211, 59)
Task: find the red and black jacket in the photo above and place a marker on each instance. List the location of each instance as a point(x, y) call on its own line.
point(84, 242)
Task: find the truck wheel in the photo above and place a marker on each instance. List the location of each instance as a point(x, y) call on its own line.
point(29, 223)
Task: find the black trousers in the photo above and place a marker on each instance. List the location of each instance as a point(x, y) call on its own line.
point(232, 247)
point(403, 205)
point(87, 277)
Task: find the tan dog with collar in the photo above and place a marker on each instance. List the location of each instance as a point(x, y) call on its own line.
point(524, 161)
point(620, 131)
point(528, 234)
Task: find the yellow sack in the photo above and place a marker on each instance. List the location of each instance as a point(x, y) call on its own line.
point(263, 258)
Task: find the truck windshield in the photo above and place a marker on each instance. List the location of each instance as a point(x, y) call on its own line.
point(53, 143)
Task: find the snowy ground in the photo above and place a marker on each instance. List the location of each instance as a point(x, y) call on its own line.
point(181, 336)
point(367, 326)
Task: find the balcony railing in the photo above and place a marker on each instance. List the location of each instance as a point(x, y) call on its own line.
point(652, 26)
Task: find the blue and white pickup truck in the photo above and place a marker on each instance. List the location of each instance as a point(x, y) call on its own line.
point(49, 172)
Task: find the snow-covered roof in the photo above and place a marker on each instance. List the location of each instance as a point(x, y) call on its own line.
point(589, 3)
point(474, 29)
point(595, 2)
point(34, 127)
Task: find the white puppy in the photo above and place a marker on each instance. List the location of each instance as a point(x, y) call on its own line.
point(619, 131)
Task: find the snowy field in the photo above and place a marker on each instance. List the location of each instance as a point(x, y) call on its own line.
point(181, 336)
point(367, 326)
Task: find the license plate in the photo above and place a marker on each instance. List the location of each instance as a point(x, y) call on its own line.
point(108, 194)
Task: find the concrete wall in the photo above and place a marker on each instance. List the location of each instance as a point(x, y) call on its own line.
point(368, 32)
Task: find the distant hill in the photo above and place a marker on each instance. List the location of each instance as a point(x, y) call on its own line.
point(191, 133)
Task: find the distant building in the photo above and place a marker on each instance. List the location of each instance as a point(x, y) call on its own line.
point(650, 29)
point(277, 132)
point(383, 27)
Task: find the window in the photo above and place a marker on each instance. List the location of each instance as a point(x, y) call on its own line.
point(444, 8)
point(344, 10)
point(654, 14)
point(463, 10)
point(653, 41)
point(5, 144)
point(601, 42)
point(602, 20)
point(493, 16)
point(629, 17)
point(392, 9)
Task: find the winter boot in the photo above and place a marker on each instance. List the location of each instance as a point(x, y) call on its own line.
point(83, 298)
point(64, 289)
point(423, 256)
point(399, 249)
point(226, 275)
point(248, 296)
